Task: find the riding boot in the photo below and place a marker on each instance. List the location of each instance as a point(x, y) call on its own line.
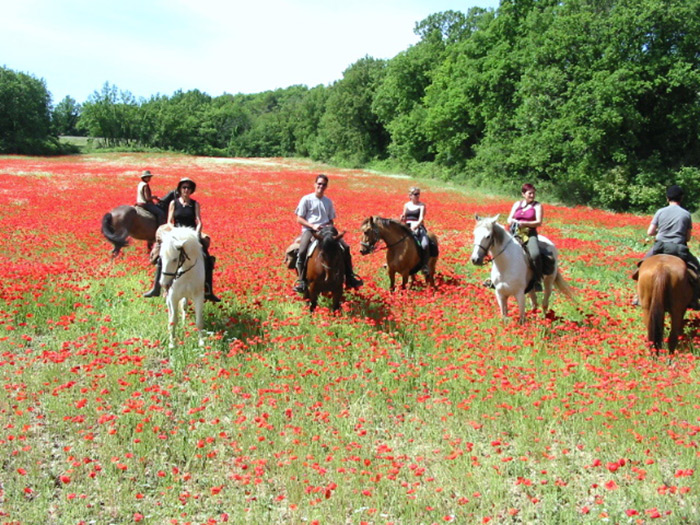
point(155, 291)
point(300, 285)
point(208, 279)
point(694, 304)
point(352, 280)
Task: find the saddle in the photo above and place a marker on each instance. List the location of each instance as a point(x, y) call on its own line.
point(433, 251)
point(292, 253)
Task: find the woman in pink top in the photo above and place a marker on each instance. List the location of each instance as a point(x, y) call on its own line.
point(524, 219)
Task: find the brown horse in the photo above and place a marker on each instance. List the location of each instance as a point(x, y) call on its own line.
point(124, 221)
point(325, 268)
point(402, 254)
point(663, 286)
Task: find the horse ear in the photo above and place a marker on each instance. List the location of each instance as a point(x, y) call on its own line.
point(476, 217)
point(495, 218)
point(339, 236)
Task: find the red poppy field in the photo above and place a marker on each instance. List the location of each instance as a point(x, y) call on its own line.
point(419, 406)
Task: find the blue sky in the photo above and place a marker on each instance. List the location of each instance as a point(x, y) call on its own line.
point(217, 46)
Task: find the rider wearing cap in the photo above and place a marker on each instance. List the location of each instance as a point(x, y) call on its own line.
point(145, 199)
point(185, 211)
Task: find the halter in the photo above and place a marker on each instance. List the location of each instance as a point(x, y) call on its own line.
point(180, 262)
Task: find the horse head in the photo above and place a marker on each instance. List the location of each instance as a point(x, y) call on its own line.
point(370, 235)
point(485, 234)
point(174, 256)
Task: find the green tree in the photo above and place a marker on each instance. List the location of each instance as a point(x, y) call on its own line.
point(25, 118)
point(111, 116)
point(65, 116)
point(349, 130)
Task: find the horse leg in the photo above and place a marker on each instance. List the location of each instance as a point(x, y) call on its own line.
point(521, 307)
point(502, 305)
point(392, 279)
point(172, 318)
point(199, 316)
point(548, 286)
point(337, 298)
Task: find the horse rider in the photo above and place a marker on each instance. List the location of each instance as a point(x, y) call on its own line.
point(313, 212)
point(672, 225)
point(145, 199)
point(524, 219)
point(185, 211)
point(414, 215)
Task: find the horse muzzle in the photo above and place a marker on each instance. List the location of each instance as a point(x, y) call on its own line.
point(365, 248)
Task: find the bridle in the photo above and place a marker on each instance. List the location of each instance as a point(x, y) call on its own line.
point(370, 246)
point(180, 263)
point(487, 248)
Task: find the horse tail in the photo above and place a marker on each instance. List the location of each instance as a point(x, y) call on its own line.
point(655, 329)
point(119, 241)
point(564, 288)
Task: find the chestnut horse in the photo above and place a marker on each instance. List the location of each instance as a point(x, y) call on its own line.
point(402, 253)
point(125, 221)
point(663, 286)
point(325, 268)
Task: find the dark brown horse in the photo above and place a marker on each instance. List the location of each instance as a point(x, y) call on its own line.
point(402, 253)
point(128, 221)
point(663, 286)
point(325, 268)
point(132, 221)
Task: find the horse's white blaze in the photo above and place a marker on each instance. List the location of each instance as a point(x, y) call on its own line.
point(510, 271)
point(183, 277)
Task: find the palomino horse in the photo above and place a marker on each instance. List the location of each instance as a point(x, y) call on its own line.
point(124, 221)
point(182, 276)
point(402, 253)
point(663, 286)
point(325, 268)
point(511, 272)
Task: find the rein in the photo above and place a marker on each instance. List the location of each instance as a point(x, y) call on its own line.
point(493, 257)
point(375, 230)
point(180, 263)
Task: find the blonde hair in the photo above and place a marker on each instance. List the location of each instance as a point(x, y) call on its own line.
point(413, 189)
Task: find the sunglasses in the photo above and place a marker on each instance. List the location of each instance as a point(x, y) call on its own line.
point(324, 184)
point(186, 188)
point(416, 194)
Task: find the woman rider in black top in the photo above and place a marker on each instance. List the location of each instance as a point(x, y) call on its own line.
point(184, 211)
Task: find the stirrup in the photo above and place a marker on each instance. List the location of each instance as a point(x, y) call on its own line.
point(300, 286)
point(488, 284)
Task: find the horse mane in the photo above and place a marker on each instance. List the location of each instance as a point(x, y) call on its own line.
point(189, 236)
point(393, 222)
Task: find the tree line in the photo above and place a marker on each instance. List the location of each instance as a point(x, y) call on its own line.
point(595, 101)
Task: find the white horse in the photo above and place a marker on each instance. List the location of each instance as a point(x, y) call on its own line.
point(182, 276)
point(511, 271)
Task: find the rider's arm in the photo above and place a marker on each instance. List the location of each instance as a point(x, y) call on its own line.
point(301, 220)
point(171, 213)
point(511, 220)
point(198, 218)
point(651, 231)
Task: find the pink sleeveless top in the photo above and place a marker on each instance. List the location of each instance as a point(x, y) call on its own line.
point(525, 214)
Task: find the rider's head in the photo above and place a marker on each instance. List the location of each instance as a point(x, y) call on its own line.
point(146, 175)
point(189, 183)
point(321, 183)
point(674, 193)
point(527, 187)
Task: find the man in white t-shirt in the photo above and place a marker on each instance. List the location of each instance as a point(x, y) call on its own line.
point(313, 212)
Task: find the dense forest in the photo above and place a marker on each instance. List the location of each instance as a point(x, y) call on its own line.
point(595, 101)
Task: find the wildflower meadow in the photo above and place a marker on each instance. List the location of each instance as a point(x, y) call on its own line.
point(418, 406)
